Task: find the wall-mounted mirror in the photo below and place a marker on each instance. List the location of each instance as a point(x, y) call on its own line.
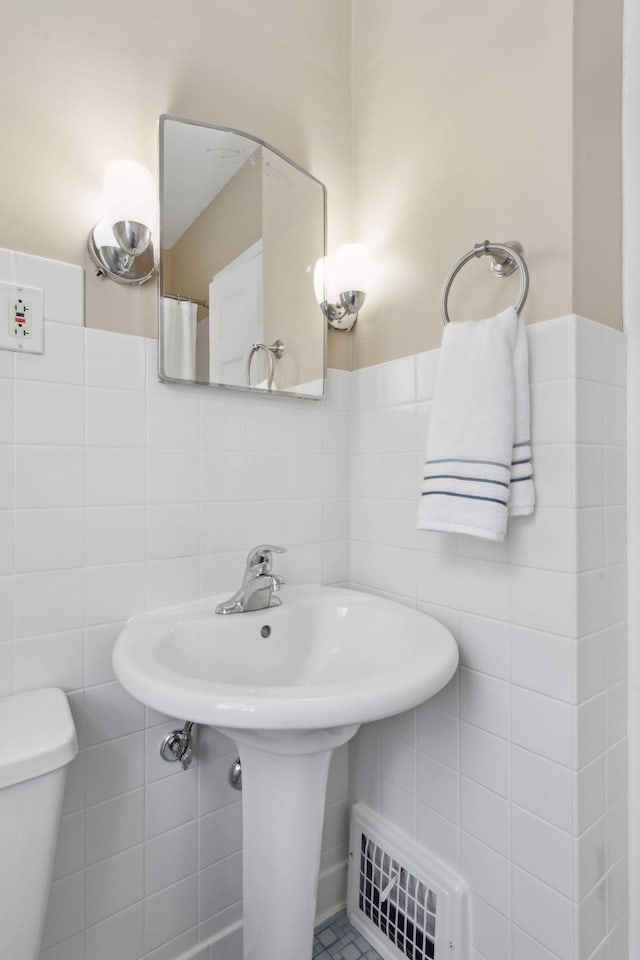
point(241, 228)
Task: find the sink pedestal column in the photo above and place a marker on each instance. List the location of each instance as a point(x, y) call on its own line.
point(284, 782)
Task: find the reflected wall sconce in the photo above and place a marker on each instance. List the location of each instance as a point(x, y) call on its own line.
point(121, 243)
point(340, 284)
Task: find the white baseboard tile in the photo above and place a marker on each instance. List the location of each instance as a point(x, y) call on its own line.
point(224, 945)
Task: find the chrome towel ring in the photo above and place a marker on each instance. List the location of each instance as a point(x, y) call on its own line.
point(506, 258)
point(273, 352)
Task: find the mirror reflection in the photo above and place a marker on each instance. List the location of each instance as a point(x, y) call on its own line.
point(241, 228)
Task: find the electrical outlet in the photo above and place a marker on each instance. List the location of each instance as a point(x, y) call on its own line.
point(21, 318)
point(20, 314)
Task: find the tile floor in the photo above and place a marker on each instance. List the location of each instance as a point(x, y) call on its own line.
point(337, 940)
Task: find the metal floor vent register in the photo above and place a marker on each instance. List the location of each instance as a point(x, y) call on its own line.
point(403, 900)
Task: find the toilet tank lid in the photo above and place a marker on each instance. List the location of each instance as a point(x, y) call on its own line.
point(37, 735)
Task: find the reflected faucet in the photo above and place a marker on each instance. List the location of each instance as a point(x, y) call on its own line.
point(258, 584)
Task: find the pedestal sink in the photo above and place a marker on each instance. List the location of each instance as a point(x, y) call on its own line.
point(289, 684)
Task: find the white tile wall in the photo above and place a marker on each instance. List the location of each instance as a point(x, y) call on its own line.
point(117, 494)
point(517, 774)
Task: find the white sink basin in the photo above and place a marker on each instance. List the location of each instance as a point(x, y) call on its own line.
point(332, 657)
point(288, 684)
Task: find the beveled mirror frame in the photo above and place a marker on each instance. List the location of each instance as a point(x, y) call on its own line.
point(160, 279)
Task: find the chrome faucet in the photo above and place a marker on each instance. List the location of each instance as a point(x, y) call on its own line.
point(258, 585)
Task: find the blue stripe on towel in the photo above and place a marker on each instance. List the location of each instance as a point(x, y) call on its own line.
point(516, 463)
point(452, 476)
point(525, 443)
point(520, 479)
point(464, 496)
point(491, 463)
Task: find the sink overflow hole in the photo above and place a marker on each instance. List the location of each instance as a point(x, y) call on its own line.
point(266, 631)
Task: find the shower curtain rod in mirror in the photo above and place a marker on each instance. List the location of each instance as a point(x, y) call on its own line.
point(176, 296)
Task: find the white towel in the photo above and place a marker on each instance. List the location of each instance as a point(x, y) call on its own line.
point(478, 461)
point(522, 497)
point(179, 338)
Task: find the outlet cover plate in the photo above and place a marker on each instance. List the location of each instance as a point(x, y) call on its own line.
point(12, 294)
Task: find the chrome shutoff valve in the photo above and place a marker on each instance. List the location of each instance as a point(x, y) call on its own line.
point(178, 746)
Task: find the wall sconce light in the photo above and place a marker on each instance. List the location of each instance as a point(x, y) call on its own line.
point(340, 284)
point(121, 244)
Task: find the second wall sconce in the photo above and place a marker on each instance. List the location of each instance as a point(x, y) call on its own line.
point(121, 243)
point(340, 284)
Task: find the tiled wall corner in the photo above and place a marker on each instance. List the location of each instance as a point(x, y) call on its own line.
point(118, 494)
point(515, 773)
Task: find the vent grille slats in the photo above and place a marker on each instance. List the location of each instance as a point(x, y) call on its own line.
point(401, 898)
point(407, 914)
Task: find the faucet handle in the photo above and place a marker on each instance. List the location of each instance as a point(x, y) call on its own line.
point(262, 555)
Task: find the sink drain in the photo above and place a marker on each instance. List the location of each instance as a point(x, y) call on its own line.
point(266, 631)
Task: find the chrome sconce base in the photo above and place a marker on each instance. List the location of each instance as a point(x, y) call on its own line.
point(344, 314)
point(132, 262)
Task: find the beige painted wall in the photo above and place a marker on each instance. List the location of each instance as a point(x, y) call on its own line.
point(471, 120)
point(597, 160)
point(98, 79)
point(484, 120)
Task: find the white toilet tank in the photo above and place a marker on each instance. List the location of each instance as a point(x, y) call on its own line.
point(37, 742)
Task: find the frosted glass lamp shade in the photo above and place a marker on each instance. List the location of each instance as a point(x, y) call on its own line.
point(324, 285)
point(121, 243)
point(340, 284)
point(352, 266)
point(129, 194)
